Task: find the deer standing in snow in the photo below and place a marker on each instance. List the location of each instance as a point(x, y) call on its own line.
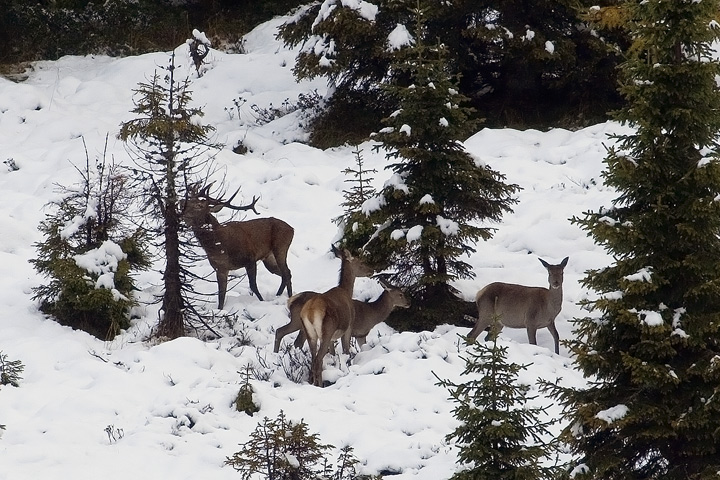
point(518, 306)
point(328, 316)
point(367, 314)
point(234, 245)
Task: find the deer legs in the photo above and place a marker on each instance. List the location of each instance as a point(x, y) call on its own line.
point(280, 269)
point(318, 354)
point(556, 337)
point(222, 280)
point(251, 270)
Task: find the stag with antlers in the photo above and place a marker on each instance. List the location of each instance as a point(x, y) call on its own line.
point(234, 245)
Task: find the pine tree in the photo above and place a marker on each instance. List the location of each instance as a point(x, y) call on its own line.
point(428, 213)
point(170, 151)
point(500, 437)
point(89, 252)
point(280, 450)
point(10, 371)
point(651, 347)
point(356, 226)
point(522, 62)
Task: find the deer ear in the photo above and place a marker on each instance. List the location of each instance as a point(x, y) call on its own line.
point(216, 208)
point(564, 262)
point(545, 264)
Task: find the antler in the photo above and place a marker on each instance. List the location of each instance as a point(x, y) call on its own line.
point(205, 193)
point(250, 206)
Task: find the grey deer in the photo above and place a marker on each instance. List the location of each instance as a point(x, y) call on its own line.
point(518, 306)
point(367, 314)
point(328, 316)
point(233, 245)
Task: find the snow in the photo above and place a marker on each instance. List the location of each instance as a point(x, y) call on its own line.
point(103, 262)
point(399, 38)
point(137, 408)
point(365, 10)
point(650, 318)
point(414, 233)
point(642, 275)
point(200, 37)
point(612, 414)
point(447, 226)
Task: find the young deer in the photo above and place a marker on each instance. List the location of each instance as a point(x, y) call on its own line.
point(329, 316)
point(517, 306)
point(234, 245)
point(367, 314)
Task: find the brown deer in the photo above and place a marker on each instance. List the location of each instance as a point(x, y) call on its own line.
point(234, 245)
point(517, 306)
point(329, 316)
point(367, 314)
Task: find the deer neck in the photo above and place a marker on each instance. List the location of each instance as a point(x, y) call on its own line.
point(383, 305)
point(206, 233)
point(347, 277)
point(555, 298)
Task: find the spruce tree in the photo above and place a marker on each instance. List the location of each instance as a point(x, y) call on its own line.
point(500, 437)
point(522, 62)
point(428, 214)
point(356, 227)
point(10, 371)
point(170, 149)
point(650, 348)
point(280, 450)
point(90, 251)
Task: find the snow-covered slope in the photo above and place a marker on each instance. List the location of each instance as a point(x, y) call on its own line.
point(172, 401)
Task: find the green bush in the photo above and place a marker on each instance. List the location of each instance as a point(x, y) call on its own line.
point(89, 253)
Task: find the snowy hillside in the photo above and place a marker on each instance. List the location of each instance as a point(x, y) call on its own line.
point(173, 401)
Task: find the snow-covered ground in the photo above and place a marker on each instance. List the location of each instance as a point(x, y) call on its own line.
point(173, 401)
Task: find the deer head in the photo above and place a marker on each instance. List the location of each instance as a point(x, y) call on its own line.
point(198, 207)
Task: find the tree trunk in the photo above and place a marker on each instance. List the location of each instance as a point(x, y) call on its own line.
point(172, 322)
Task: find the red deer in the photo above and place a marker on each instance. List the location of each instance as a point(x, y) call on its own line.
point(517, 306)
point(234, 245)
point(367, 314)
point(329, 316)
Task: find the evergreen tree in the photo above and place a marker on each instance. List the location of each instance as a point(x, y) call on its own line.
point(89, 252)
point(10, 371)
point(500, 437)
point(169, 148)
point(284, 450)
point(428, 213)
point(522, 62)
point(280, 450)
point(356, 226)
point(651, 348)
